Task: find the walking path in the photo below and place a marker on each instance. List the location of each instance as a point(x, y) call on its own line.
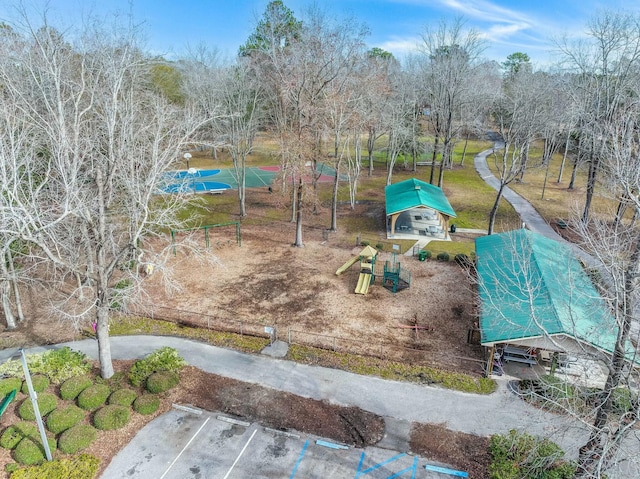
point(525, 210)
point(476, 414)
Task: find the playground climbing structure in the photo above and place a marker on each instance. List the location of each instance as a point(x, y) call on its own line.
point(395, 277)
point(367, 258)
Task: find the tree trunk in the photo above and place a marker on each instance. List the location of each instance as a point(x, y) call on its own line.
point(371, 140)
point(5, 292)
point(433, 157)
point(494, 210)
point(464, 149)
point(594, 164)
point(241, 172)
point(294, 206)
point(14, 283)
point(102, 333)
point(574, 171)
point(334, 199)
point(564, 157)
point(298, 242)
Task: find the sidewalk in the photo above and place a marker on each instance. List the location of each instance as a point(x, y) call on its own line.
point(475, 414)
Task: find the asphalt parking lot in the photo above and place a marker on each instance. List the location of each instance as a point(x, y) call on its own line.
point(182, 444)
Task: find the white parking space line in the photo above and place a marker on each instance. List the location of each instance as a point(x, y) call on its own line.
point(239, 455)
point(184, 448)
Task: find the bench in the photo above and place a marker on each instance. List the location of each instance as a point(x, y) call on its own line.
point(519, 355)
point(520, 359)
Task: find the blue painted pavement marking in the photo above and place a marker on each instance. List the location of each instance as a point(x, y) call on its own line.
point(295, 468)
point(413, 468)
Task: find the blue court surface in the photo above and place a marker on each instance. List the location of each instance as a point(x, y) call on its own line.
point(216, 180)
point(181, 445)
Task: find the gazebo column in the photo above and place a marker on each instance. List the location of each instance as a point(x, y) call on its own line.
point(394, 217)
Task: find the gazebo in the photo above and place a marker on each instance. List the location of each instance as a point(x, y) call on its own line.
point(535, 295)
point(414, 207)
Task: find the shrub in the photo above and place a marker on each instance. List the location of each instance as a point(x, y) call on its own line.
point(56, 364)
point(463, 261)
point(364, 243)
point(123, 397)
point(30, 451)
point(443, 256)
point(72, 387)
point(146, 404)
point(380, 246)
point(111, 417)
point(62, 419)
point(93, 397)
point(162, 381)
point(517, 455)
point(40, 382)
point(427, 254)
point(81, 467)
point(9, 384)
point(164, 359)
point(47, 402)
point(16, 433)
point(77, 438)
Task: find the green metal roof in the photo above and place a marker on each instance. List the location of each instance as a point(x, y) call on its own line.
point(531, 286)
point(414, 193)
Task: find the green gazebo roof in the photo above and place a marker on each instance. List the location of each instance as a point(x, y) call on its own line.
point(531, 286)
point(414, 193)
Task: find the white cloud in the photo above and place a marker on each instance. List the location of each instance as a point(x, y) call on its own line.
point(401, 46)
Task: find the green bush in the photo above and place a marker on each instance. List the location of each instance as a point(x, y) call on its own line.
point(11, 467)
point(443, 256)
point(77, 438)
point(111, 417)
point(72, 387)
point(624, 401)
point(83, 466)
point(16, 433)
point(517, 455)
point(40, 382)
point(146, 404)
point(30, 451)
point(164, 359)
point(428, 254)
point(9, 384)
point(380, 246)
point(93, 397)
point(123, 397)
point(62, 419)
point(365, 243)
point(162, 381)
point(47, 402)
point(57, 364)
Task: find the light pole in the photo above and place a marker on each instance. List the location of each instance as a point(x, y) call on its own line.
point(34, 402)
point(187, 157)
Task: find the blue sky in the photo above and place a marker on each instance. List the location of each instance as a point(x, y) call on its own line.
point(395, 25)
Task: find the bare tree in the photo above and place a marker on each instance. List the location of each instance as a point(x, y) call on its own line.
point(517, 115)
point(86, 200)
point(451, 55)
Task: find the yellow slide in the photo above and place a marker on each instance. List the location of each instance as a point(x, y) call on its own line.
point(364, 281)
point(347, 265)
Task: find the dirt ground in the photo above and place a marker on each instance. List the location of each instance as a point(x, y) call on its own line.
point(267, 282)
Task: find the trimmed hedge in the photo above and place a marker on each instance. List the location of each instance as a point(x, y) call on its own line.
point(72, 387)
point(30, 451)
point(16, 433)
point(123, 397)
point(77, 438)
point(111, 417)
point(162, 381)
point(9, 384)
point(444, 256)
point(83, 466)
point(146, 404)
point(47, 402)
point(164, 359)
point(62, 419)
point(40, 382)
point(93, 397)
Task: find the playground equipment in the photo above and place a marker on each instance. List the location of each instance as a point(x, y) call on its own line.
point(395, 278)
point(367, 258)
